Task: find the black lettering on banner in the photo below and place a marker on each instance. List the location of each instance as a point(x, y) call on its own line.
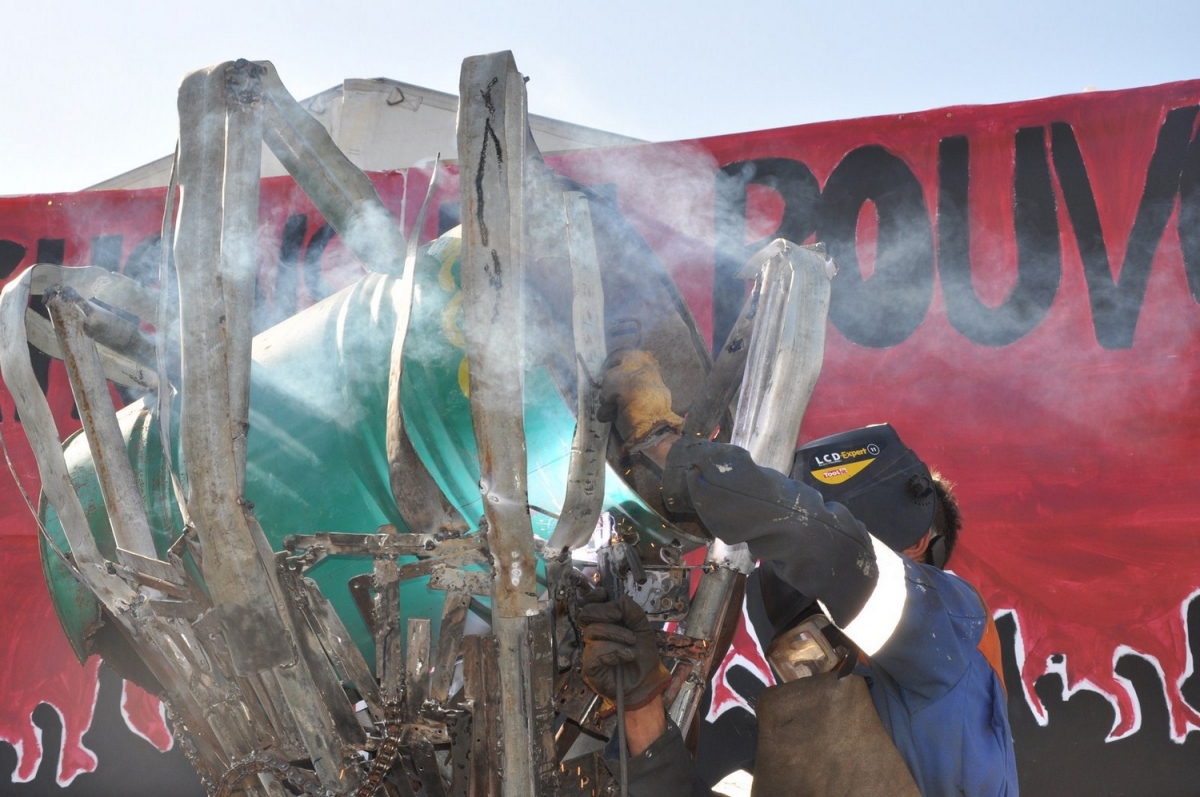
point(51, 251)
point(106, 251)
point(801, 195)
point(885, 309)
point(449, 216)
point(1039, 254)
point(314, 282)
point(1189, 217)
point(145, 261)
point(1117, 301)
point(283, 302)
point(11, 255)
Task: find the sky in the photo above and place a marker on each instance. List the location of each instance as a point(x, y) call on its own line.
point(88, 89)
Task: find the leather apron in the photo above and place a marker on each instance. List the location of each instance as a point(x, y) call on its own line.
point(822, 736)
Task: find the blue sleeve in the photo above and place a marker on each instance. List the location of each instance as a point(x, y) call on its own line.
point(938, 634)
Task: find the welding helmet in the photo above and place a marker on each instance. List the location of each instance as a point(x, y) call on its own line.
point(874, 475)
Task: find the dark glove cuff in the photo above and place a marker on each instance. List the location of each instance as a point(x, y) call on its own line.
point(655, 436)
point(675, 473)
point(640, 700)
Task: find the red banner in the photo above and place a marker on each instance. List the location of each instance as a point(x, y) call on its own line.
point(1017, 296)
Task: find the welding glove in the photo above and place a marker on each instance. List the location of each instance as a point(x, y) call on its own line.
point(618, 636)
point(633, 383)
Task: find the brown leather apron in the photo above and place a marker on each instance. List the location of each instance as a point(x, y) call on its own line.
point(822, 736)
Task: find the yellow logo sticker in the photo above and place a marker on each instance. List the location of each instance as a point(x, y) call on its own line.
point(840, 473)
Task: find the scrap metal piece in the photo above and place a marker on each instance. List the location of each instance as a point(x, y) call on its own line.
point(492, 138)
point(336, 641)
point(480, 682)
point(459, 727)
point(585, 473)
point(419, 499)
point(786, 352)
point(122, 498)
point(726, 376)
point(449, 644)
point(491, 148)
point(417, 665)
point(360, 592)
point(427, 769)
point(388, 647)
point(388, 542)
point(43, 436)
point(235, 575)
point(340, 191)
point(126, 354)
point(472, 582)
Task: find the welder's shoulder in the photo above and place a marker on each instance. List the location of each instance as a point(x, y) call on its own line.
point(949, 593)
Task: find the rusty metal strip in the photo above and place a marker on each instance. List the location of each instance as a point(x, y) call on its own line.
point(340, 648)
point(427, 769)
point(492, 135)
point(480, 681)
point(388, 542)
point(539, 662)
point(459, 727)
point(417, 665)
point(491, 153)
point(473, 582)
point(467, 556)
point(584, 500)
point(389, 663)
point(449, 644)
point(360, 593)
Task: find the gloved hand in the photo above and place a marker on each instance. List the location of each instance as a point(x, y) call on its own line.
point(633, 382)
point(618, 636)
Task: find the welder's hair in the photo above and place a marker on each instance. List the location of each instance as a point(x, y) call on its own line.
point(947, 519)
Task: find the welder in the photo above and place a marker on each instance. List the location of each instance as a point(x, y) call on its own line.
point(862, 529)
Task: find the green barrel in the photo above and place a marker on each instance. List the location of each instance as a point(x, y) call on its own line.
point(317, 460)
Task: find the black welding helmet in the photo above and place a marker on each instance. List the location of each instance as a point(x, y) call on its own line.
point(874, 475)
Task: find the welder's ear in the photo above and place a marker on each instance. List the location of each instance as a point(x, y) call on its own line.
point(937, 554)
point(918, 550)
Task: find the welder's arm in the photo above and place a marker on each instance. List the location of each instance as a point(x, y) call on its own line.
point(817, 547)
point(618, 637)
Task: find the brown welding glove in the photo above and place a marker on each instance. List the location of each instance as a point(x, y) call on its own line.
point(618, 636)
point(634, 384)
